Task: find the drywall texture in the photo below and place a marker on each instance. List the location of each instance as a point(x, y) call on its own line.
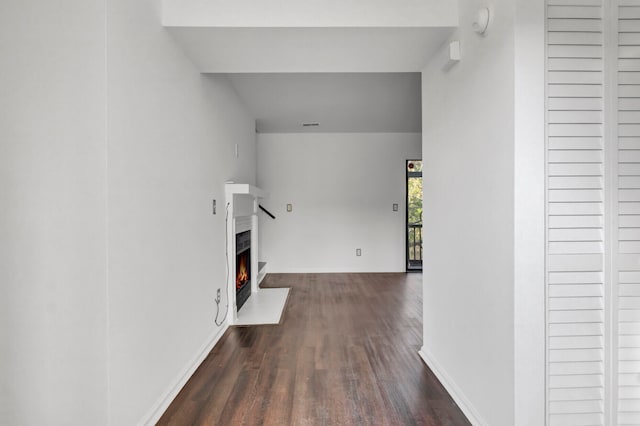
point(340, 102)
point(342, 187)
point(110, 256)
point(529, 218)
point(468, 151)
point(309, 13)
point(171, 147)
point(52, 213)
point(310, 49)
point(309, 35)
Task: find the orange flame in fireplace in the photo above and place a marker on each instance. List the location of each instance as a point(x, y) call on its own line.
point(243, 273)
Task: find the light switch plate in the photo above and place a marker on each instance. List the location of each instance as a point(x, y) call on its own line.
point(395, 207)
point(289, 208)
point(358, 252)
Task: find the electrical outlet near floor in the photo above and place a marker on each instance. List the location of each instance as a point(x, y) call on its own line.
point(218, 296)
point(358, 252)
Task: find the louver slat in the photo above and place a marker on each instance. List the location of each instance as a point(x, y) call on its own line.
point(575, 208)
point(628, 285)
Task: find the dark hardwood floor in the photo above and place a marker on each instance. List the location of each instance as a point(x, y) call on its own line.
point(346, 353)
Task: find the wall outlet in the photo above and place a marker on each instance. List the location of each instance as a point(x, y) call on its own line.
point(289, 208)
point(218, 296)
point(358, 252)
point(395, 207)
point(214, 206)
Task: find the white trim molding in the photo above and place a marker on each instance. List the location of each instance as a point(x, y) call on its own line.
point(454, 390)
point(158, 409)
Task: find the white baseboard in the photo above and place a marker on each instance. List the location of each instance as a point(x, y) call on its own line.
point(158, 409)
point(370, 270)
point(453, 389)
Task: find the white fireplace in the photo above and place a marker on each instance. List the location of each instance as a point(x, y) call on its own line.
point(242, 216)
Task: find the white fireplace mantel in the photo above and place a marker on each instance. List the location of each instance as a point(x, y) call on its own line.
point(244, 189)
point(239, 220)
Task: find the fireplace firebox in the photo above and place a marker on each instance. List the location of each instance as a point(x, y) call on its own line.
point(243, 268)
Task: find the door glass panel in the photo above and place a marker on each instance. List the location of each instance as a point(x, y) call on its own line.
point(414, 215)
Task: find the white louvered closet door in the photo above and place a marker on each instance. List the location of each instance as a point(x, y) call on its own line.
point(626, 291)
point(593, 212)
point(575, 213)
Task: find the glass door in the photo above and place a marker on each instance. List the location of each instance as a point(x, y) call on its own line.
point(414, 215)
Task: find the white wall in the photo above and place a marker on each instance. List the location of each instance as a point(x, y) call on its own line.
point(342, 187)
point(309, 13)
point(468, 150)
point(171, 147)
point(52, 213)
point(529, 243)
point(109, 255)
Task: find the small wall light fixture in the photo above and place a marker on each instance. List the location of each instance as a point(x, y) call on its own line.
point(481, 23)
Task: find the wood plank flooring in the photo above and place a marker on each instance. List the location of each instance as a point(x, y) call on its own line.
point(346, 353)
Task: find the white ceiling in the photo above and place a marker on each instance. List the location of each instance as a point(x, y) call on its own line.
point(352, 66)
point(292, 50)
point(339, 102)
